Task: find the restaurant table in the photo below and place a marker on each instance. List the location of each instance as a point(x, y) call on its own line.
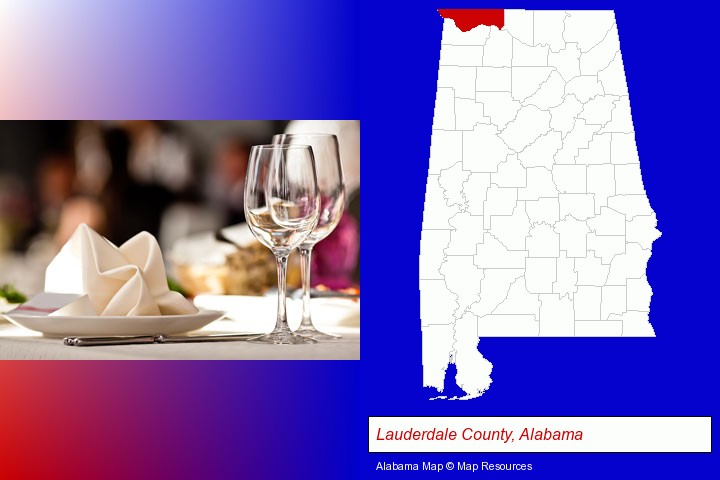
point(17, 343)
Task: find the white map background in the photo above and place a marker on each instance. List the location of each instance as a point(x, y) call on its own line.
point(536, 221)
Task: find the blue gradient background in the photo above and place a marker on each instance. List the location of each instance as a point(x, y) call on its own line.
point(376, 61)
point(178, 59)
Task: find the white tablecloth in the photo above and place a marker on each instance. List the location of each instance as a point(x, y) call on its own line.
point(20, 344)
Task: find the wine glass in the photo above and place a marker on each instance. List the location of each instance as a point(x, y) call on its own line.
point(281, 208)
point(331, 187)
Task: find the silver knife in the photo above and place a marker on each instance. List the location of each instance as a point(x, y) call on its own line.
point(297, 294)
point(159, 338)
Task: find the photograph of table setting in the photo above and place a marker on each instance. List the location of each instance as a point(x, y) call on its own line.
point(179, 240)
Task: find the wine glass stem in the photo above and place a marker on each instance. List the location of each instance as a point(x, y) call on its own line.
point(305, 257)
point(282, 324)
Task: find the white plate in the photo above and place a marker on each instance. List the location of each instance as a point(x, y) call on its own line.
point(6, 307)
point(259, 313)
point(108, 326)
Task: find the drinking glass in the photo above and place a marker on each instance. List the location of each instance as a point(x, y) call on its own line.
point(331, 187)
point(282, 208)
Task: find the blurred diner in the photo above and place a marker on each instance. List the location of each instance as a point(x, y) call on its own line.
point(182, 181)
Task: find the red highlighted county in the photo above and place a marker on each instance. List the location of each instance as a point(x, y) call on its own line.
point(467, 19)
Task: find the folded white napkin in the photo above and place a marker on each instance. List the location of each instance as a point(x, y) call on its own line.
point(115, 281)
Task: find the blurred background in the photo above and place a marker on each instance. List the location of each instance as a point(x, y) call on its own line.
point(182, 181)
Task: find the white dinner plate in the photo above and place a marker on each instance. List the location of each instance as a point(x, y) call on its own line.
point(259, 313)
point(60, 326)
point(6, 307)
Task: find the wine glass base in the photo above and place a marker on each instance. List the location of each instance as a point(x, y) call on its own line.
point(282, 338)
point(312, 332)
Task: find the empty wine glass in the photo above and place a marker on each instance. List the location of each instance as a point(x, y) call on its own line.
point(331, 187)
point(282, 208)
